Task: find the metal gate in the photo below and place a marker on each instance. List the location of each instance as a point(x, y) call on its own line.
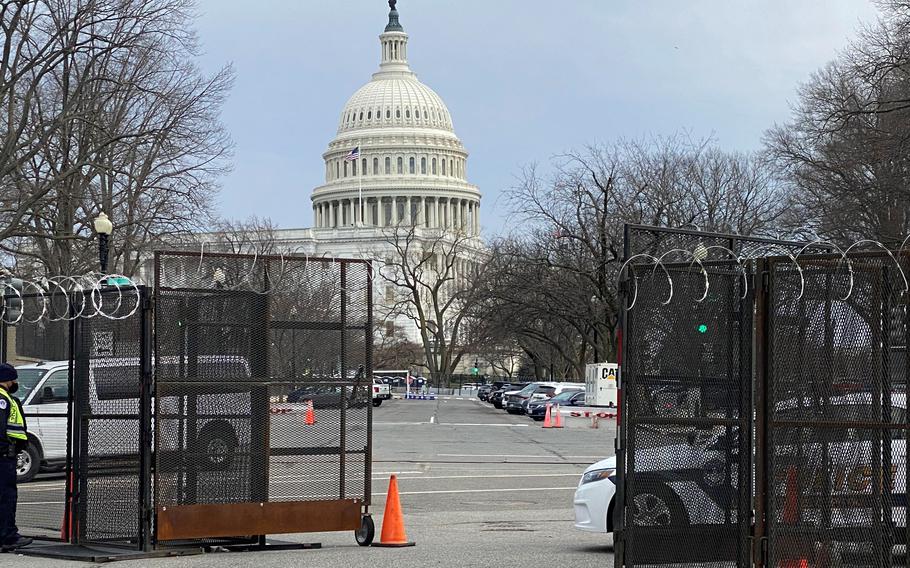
point(263, 395)
point(233, 402)
point(764, 405)
point(834, 483)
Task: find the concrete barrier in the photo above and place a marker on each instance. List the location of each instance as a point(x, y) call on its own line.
point(586, 416)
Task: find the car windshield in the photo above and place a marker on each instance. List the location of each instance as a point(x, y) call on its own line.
point(528, 390)
point(28, 378)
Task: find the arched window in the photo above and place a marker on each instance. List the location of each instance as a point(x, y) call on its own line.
point(417, 114)
point(400, 165)
point(375, 166)
point(388, 165)
point(443, 166)
point(411, 164)
point(363, 170)
point(452, 168)
point(407, 113)
point(434, 166)
point(370, 115)
point(388, 113)
point(354, 168)
point(397, 113)
point(423, 165)
point(337, 170)
point(345, 169)
point(361, 115)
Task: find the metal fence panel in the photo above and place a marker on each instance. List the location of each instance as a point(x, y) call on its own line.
point(263, 382)
point(108, 364)
point(686, 397)
point(837, 413)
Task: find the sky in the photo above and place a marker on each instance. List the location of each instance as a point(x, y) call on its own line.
point(525, 80)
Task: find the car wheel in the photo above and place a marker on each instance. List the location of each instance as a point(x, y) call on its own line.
point(498, 405)
point(658, 506)
point(512, 411)
point(217, 443)
point(367, 531)
point(377, 401)
point(28, 462)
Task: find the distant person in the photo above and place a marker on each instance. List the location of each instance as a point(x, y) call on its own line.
point(13, 440)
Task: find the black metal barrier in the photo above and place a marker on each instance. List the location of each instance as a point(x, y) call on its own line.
point(764, 405)
point(230, 402)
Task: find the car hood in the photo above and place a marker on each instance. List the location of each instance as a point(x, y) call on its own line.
point(608, 463)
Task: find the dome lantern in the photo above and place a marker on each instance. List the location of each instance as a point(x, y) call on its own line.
point(394, 42)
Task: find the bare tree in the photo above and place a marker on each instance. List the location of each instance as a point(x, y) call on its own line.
point(843, 154)
point(121, 120)
point(553, 282)
point(432, 275)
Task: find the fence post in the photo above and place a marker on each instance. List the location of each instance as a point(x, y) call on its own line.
point(762, 457)
point(146, 387)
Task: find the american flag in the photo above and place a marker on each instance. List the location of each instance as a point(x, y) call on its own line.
point(353, 154)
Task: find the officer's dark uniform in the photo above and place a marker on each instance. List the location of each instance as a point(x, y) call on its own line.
point(13, 439)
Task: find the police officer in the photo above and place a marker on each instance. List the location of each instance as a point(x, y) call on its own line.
point(12, 440)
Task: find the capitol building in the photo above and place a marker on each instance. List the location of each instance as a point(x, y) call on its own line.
point(395, 164)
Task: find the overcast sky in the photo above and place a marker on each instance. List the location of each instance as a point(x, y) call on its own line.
point(523, 79)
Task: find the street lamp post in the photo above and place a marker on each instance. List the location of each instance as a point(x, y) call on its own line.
point(104, 228)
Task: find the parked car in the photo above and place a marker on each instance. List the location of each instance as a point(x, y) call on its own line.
point(496, 398)
point(381, 392)
point(690, 492)
point(483, 393)
point(326, 395)
point(513, 401)
point(537, 409)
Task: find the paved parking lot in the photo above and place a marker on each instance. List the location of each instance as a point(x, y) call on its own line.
point(479, 487)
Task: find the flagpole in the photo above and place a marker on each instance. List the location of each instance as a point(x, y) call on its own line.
point(360, 189)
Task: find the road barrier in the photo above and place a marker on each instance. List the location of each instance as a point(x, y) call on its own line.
point(393, 534)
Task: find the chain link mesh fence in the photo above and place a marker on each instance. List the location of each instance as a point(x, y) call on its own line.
point(823, 468)
point(837, 412)
point(263, 390)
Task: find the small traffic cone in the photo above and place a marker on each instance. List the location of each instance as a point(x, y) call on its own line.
point(393, 535)
point(801, 563)
point(310, 414)
point(557, 420)
point(547, 423)
point(66, 524)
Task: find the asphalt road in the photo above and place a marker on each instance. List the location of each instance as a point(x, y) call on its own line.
point(479, 487)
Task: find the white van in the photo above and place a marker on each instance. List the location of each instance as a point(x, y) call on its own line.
point(44, 392)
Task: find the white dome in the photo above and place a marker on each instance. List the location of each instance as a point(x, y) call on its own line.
point(396, 158)
point(395, 100)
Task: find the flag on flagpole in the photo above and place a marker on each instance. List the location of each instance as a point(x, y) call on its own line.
point(353, 154)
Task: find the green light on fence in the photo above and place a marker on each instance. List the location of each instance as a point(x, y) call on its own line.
point(702, 328)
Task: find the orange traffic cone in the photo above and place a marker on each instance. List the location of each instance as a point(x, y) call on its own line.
point(547, 423)
point(393, 534)
point(801, 563)
point(557, 420)
point(310, 414)
point(66, 524)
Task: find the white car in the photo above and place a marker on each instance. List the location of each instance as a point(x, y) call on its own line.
point(692, 496)
point(113, 389)
point(594, 497)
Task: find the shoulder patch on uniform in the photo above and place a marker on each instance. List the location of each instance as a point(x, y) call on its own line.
point(2, 404)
